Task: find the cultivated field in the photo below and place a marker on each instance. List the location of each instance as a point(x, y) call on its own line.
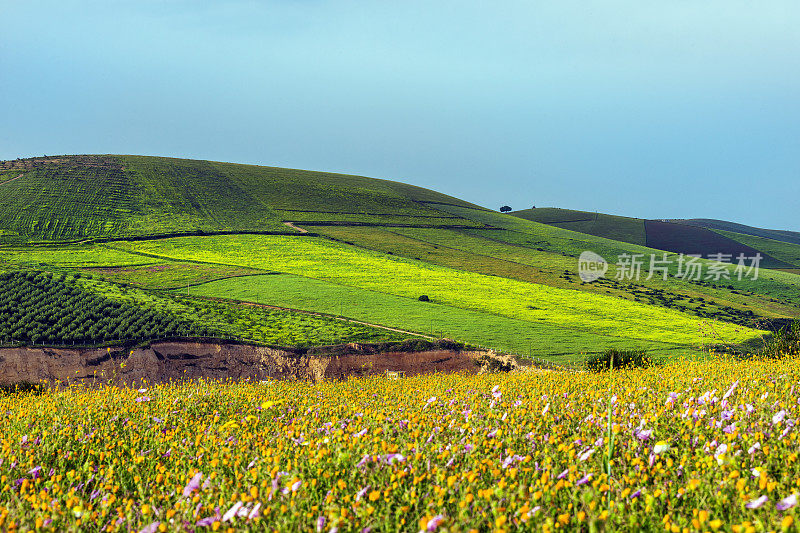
point(341, 264)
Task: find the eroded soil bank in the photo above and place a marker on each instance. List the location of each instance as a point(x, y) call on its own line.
point(177, 360)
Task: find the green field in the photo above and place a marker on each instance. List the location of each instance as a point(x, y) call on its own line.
point(619, 228)
point(439, 320)
point(509, 254)
point(784, 251)
point(345, 265)
point(248, 322)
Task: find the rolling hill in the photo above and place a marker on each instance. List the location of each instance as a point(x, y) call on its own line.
point(297, 257)
point(70, 198)
point(695, 236)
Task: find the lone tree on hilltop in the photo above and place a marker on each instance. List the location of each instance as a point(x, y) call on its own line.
point(505, 209)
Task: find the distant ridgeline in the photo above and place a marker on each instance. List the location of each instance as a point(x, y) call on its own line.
point(71, 198)
point(778, 249)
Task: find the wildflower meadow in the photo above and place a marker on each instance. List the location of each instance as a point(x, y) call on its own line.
point(689, 446)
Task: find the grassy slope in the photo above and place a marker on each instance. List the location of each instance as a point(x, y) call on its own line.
point(328, 261)
point(71, 198)
point(474, 327)
point(792, 237)
point(633, 230)
point(502, 253)
point(784, 251)
point(779, 287)
point(614, 227)
point(109, 196)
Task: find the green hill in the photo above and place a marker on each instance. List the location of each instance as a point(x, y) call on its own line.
point(792, 237)
point(359, 254)
point(69, 198)
point(613, 227)
point(679, 236)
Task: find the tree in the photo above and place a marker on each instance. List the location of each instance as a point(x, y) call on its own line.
point(505, 209)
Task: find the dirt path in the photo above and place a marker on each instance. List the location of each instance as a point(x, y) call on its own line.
point(12, 179)
point(301, 230)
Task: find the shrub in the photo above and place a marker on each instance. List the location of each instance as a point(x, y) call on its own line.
point(424, 298)
point(613, 359)
point(782, 343)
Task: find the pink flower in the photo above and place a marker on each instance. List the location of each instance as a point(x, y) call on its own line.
point(228, 516)
point(255, 512)
point(193, 485)
point(787, 503)
point(433, 523)
point(150, 528)
point(757, 503)
point(778, 418)
point(730, 391)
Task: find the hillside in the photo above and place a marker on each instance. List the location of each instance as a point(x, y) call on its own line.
point(357, 258)
point(680, 236)
point(792, 237)
point(69, 198)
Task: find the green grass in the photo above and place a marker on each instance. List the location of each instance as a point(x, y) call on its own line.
point(783, 251)
point(778, 292)
point(75, 256)
point(337, 263)
point(169, 275)
point(70, 198)
point(625, 229)
point(435, 319)
point(249, 322)
point(509, 254)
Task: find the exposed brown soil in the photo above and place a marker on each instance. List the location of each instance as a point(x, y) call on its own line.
point(178, 360)
point(301, 230)
point(682, 238)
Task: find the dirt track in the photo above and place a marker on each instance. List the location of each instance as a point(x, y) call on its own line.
point(12, 179)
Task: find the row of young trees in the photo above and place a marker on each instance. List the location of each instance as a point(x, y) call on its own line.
point(37, 307)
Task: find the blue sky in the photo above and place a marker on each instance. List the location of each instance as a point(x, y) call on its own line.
point(650, 109)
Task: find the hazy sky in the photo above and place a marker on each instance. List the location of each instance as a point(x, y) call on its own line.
point(652, 109)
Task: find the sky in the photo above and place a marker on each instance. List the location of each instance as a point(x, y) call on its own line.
point(670, 109)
